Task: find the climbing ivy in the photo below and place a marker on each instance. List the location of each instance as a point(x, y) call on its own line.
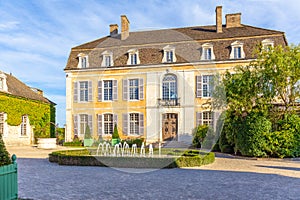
point(41, 115)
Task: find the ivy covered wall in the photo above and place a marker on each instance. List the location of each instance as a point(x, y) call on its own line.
point(41, 115)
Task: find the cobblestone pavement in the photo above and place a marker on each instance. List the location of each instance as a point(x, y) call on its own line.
point(40, 179)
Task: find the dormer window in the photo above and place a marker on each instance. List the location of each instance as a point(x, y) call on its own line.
point(3, 85)
point(133, 57)
point(237, 51)
point(207, 52)
point(107, 60)
point(83, 61)
point(169, 54)
point(267, 44)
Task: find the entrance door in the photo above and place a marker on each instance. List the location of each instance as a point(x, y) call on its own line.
point(169, 126)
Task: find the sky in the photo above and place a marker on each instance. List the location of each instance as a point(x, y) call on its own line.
point(36, 36)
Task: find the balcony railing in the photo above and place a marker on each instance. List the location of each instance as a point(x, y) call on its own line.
point(169, 102)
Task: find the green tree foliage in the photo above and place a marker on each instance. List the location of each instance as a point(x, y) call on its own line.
point(4, 155)
point(261, 105)
point(115, 134)
point(88, 134)
point(199, 134)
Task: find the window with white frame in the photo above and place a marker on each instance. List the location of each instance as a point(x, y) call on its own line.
point(237, 51)
point(107, 59)
point(205, 118)
point(107, 90)
point(133, 57)
point(133, 89)
point(169, 54)
point(83, 123)
point(24, 125)
point(2, 123)
point(82, 61)
point(82, 91)
point(207, 52)
point(267, 44)
point(134, 124)
point(108, 124)
point(169, 87)
point(204, 86)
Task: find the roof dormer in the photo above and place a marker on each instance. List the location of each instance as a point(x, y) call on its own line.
point(3, 84)
point(133, 57)
point(107, 59)
point(237, 50)
point(83, 61)
point(207, 52)
point(169, 54)
point(267, 44)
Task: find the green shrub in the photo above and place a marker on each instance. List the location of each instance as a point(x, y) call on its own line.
point(4, 155)
point(115, 134)
point(199, 134)
point(88, 134)
point(137, 141)
point(251, 141)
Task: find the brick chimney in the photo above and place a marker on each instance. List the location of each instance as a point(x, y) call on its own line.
point(124, 27)
point(219, 19)
point(233, 20)
point(113, 29)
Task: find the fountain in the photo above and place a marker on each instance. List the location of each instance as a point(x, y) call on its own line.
point(143, 152)
point(150, 150)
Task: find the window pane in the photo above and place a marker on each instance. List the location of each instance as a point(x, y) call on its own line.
point(134, 89)
point(107, 87)
point(83, 87)
point(108, 124)
point(134, 123)
point(169, 90)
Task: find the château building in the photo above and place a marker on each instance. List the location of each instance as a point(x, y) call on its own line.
point(155, 84)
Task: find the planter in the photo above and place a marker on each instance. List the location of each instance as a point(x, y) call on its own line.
point(46, 143)
point(9, 180)
point(88, 142)
point(115, 141)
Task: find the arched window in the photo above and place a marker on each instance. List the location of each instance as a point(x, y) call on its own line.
point(169, 87)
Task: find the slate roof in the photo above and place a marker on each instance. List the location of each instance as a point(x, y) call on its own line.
point(187, 42)
point(17, 88)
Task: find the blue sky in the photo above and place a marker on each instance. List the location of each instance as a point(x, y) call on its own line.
point(36, 36)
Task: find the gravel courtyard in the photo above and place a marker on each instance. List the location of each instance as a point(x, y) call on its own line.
point(227, 178)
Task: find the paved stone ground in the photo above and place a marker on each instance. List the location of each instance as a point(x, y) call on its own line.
point(228, 177)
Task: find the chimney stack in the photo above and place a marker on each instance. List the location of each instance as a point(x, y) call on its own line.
point(219, 19)
point(124, 27)
point(113, 29)
point(233, 20)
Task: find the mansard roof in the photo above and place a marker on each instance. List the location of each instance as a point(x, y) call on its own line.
point(187, 41)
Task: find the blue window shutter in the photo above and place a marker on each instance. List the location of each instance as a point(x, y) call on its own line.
point(75, 124)
point(99, 119)
point(99, 90)
point(125, 89)
point(75, 87)
point(198, 118)
point(198, 86)
point(90, 123)
point(90, 91)
point(141, 124)
point(125, 124)
point(115, 90)
point(141, 89)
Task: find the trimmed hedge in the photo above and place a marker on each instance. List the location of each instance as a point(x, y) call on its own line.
point(83, 158)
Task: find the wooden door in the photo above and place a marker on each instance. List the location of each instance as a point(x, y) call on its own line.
point(169, 126)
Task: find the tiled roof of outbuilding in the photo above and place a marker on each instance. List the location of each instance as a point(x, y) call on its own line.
point(17, 88)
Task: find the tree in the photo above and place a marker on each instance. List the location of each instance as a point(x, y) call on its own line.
point(115, 134)
point(4, 155)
